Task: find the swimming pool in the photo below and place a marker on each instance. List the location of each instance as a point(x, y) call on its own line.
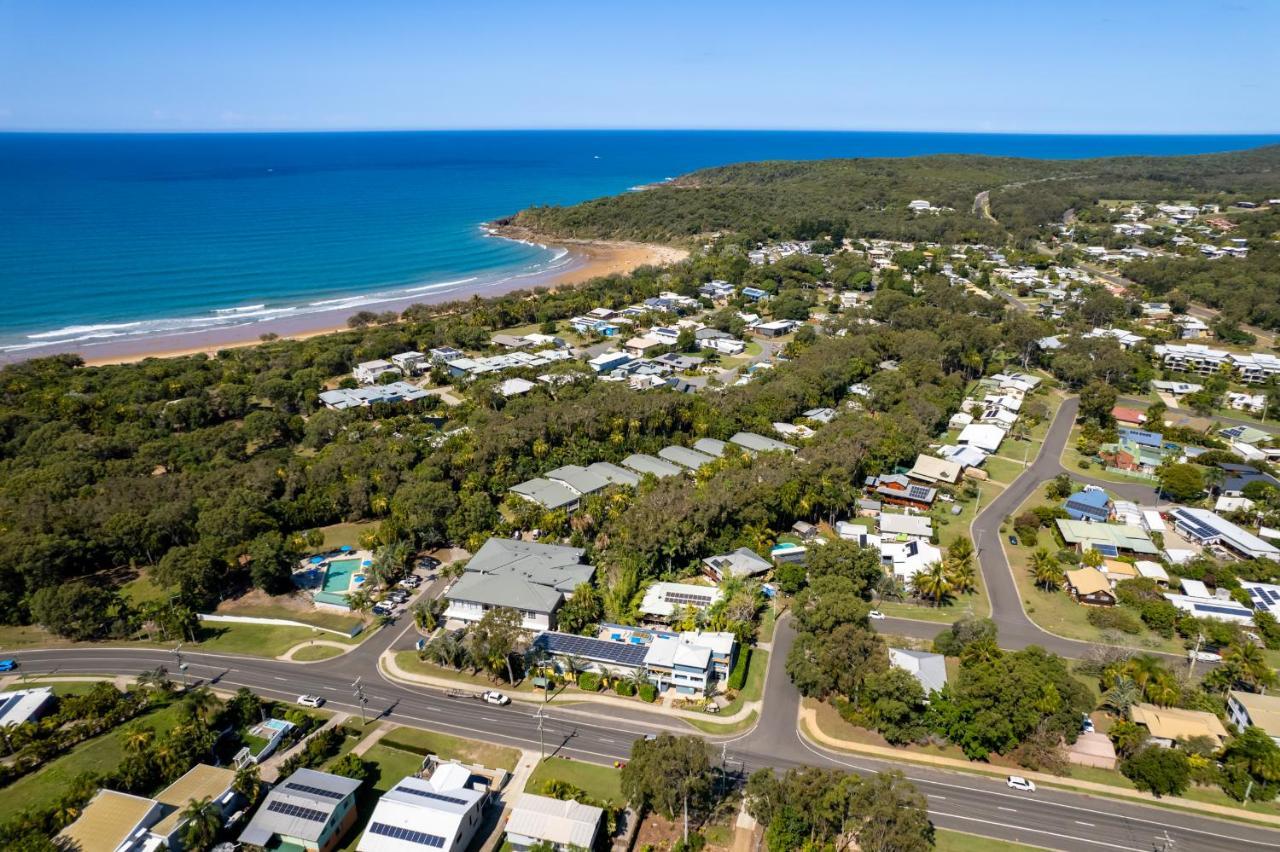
point(337, 577)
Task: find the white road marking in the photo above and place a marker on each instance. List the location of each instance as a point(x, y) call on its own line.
point(1002, 808)
point(1041, 831)
point(1085, 824)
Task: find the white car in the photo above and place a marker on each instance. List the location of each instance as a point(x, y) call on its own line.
point(492, 697)
point(310, 700)
point(1205, 656)
point(875, 615)
point(1017, 782)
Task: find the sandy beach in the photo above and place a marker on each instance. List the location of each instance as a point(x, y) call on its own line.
point(589, 259)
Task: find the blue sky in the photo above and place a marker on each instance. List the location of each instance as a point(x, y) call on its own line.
point(1085, 66)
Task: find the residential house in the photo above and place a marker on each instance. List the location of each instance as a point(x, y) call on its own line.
point(532, 578)
point(717, 290)
point(743, 562)
point(1240, 475)
point(1152, 571)
point(754, 294)
point(775, 328)
point(1107, 539)
point(1167, 725)
point(640, 347)
point(411, 363)
point(646, 464)
point(929, 669)
point(1090, 586)
point(548, 494)
point(112, 822)
point(1091, 504)
point(542, 821)
point(1130, 417)
point(609, 361)
point(690, 662)
point(309, 811)
point(753, 443)
point(710, 446)
point(906, 526)
point(442, 812)
point(1208, 528)
point(898, 490)
point(369, 372)
point(984, 436)
point(514, 387)
point(1263, 596)
point(662, 600)
point(26, 705)
point(934, 470)
point(1248, 709)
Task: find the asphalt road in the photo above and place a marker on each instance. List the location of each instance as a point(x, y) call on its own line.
point(1052, 819)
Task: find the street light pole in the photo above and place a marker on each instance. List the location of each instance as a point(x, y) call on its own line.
point(362, 698)
point(542, 745)
point(182, 667)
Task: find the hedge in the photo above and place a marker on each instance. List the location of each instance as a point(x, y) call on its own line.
point(648, 692)
point(589, 682)
point(738, 677)
point(625, 688)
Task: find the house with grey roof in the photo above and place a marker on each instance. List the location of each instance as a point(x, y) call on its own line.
point(615, 474)
point(929, 669)
point(753, 443)
point(642, 464)
point(685, 457)
point(710, 446)
point(308, 810)
point(579, 478)
point(532, 578)
point(538, 820)
point(548, 494)
point(743, 562)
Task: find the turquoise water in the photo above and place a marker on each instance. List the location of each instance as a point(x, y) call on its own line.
point(337, 577)
point(111, 238)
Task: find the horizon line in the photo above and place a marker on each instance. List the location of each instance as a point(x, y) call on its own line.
point(212, 131)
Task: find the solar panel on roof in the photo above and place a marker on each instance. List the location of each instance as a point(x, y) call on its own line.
point(688, 598)
point(583, 646)
point(315, 791)
point(1221, 610)
point(396, 833)
point(1106, 549)
point(428, 794)
point(298, 811)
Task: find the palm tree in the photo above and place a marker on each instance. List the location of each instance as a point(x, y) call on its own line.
point(1163, 690)
point(981, 650)
point(933, 583)
point(576, 665)
point(202, 702)
point(247, 782)
point(962, 574)
point(202, 824)
point(1248, 667)
point(1122, 695)
point(157, 679)
point(1045, 570)
point(138, 739)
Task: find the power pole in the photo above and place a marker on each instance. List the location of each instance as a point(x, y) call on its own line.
point(542, 745)
point(182, 667)
point(1191, 669)
point(362, 698)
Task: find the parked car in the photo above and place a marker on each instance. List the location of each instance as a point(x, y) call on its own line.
point(1205, 656)
point(310, 700)
point(8, 665)
point(875, 615)
point(1013, 539)
point(399, 596)
point(410, 582)
point(1086, 725)
point(428, 562)
point(713, 707)
point(493, 697)
point(1017, 782)
point(381, 609)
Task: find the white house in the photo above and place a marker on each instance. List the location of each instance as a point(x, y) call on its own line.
point(369, 372)
point(563, 825)
point(440, 812)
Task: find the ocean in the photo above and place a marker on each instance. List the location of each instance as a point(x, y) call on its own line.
point(111, 237)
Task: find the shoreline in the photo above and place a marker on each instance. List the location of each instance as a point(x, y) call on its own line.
point(588, 259)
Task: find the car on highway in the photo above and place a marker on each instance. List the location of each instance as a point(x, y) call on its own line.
point(8, 665)
point(494, 697)
point(1017, 782)
point(310, 700)
point(875, 615)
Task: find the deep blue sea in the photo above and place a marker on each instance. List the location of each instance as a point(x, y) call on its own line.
point(105, 237)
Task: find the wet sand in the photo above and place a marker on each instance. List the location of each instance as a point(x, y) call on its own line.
point(590, 259)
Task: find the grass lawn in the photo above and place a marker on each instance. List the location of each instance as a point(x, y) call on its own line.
point(451, 747)
point(832, 724)
point(316, 652)
point(977, 603)
point(408, 660)
point(601, 783)
point(958, 841)
point(337, 535)
point(718, 728)
point(142, 590)
point(949, 527)
point(328, 620)
point(1056, 611)
point(59, 687)
point(768, 621)
point(257, 640)
point(390, 765)
point(754, 687)
point(1004, 470)
point(100, 754)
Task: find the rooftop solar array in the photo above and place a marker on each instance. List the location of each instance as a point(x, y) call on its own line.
point(298, 811)
point(427, 794)
point(1194, 525)
point(597, 649)
point(1264, 597)
point(315, 791)
point(1105, 549)
point(687, 598)
point(407, 834)
point(1221, 609)
point(7, 702)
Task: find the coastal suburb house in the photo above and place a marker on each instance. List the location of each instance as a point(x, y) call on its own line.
point(690, 663)
point(898, 490)
point(120, 822)
point(309, 811)
point(440, 812)
point(743, 562)
point(531, 578)
point(562, 825)
point(1167, 725)
point(1090, 586)
point(1246, 709)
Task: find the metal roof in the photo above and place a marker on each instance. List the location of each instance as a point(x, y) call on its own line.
point(685, 457)
point(642, 464)
point(596, 650)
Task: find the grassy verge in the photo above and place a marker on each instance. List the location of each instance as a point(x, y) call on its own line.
point(768, 622)
point(100, 754)
point(601, 783)
point(312, 653)
point(253, 640)
point(958, 841)
point(408, 661)
point(328, 620)
point(757, 666)
point(830, 722)
point(449, 747)
point(722, 728)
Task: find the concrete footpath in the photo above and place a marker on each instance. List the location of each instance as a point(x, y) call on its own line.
point(808, 724)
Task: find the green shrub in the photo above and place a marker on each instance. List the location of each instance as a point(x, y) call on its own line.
point(1113, 618)
point(648, 692)
point(625, 688)
point(589, 682)
point(738, 677)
